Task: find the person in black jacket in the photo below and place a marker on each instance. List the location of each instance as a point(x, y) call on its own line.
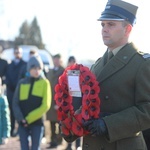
point(3, 67)
point(12, 78)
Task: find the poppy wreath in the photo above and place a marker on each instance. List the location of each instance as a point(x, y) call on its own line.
point(72, 120)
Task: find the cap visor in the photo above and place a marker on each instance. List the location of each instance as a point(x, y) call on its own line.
point(110, 17)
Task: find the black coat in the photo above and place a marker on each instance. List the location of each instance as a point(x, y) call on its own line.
point(13, 76)
point(3, 68)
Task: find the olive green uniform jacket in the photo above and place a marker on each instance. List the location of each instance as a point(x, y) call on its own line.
point(125, 94)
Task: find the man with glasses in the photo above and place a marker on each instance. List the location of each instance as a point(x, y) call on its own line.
point(12, 78)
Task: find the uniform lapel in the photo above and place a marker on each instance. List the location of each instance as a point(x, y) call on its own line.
point(116, 63)
point(99, 65)
point(110, 68)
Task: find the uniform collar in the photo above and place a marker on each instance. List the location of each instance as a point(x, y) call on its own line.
point(116, 50)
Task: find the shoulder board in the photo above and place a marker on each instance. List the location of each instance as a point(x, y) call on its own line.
point(145, 55)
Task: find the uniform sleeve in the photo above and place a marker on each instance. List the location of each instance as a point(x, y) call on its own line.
point(46, 101)
point(16, 108)
point(130, 121)
point(5, 118)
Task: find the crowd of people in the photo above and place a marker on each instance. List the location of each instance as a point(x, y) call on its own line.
point(123, 76)
point(27, 96)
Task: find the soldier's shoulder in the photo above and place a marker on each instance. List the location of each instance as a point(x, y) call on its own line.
point(144, 55)
point(98, 59)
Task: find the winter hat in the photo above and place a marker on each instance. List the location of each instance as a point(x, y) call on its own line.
point(34, 61)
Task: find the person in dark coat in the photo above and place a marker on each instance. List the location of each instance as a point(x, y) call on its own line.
point(53, 76)
point(12, 78)
point(124, 81)
point(3, 67)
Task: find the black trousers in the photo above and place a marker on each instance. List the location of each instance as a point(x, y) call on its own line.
point(12, 118)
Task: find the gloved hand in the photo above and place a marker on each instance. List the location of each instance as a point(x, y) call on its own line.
point(96, 127)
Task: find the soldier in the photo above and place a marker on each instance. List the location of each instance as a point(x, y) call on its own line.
point(124, 82)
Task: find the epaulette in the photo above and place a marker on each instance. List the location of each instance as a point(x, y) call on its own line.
point(145, 55)
point(98, 59)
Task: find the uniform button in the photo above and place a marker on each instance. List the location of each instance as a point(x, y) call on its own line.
point(106, 97)
point(125, 57)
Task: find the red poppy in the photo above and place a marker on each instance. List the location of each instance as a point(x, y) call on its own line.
point(95, 101)
point(78, 118)
point(65, 130)
point(68, 122)
point(66, 106)
point(86, 102)
point(85, 113)
point(76, 127)
point(61, 114)
point(59, 90)
point(86, 90)
point(93, 111)
point(63, 81)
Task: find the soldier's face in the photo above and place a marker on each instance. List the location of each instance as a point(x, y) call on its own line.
point(113, 33)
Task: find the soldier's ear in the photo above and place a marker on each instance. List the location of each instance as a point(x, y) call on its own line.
point(128, 29)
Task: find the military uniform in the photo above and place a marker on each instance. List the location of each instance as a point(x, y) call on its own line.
point(125, 84)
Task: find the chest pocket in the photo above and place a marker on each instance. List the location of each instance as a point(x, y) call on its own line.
point(38, 89)
point(24, 91)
